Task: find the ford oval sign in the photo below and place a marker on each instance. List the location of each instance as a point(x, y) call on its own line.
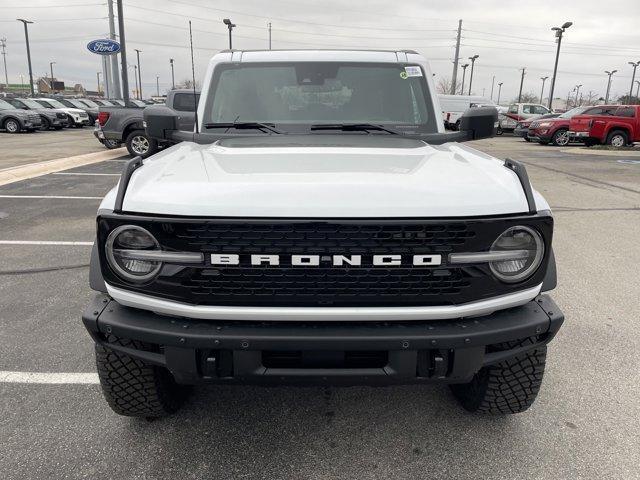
point(104, 47)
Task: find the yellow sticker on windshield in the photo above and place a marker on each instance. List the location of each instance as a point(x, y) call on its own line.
point(403, 75)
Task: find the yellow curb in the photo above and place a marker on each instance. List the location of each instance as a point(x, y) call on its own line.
point(24, 172)
point(604, 153)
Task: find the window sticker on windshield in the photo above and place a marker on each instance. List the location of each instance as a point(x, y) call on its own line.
point(413, 71)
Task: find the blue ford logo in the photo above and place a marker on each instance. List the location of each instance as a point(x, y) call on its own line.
point(104, 47)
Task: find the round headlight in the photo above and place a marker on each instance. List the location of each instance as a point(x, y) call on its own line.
point(122, 241)
point(527, 246)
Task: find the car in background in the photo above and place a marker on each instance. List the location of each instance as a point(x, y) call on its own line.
point(77, 103)
point(554, 131)
point(117, 125)
point(522, 127)
point(618, 126)
point(117, 103)
point(50, 118)
point(105, 103)
point(77, 117)
point(453, 106)
point(15, 120)
point(520, 111)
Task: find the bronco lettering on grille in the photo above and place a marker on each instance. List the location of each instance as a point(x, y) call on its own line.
point(331, 260)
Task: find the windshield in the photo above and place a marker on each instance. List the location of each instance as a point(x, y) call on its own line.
point(89, 103)
point(76, 103)
point(138, 103)
point(106, 103)
point(573, 111)
point(311, 93)
point(30, 103)
point(50, 103)
point(6, 105)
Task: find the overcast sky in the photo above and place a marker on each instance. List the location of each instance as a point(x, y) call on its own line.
point(507, 36)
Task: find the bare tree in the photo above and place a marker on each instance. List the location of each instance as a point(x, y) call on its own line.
point(187, 83)
point(443, 86)
point(527, 97)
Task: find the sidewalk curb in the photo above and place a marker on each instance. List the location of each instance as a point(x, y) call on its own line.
point(24, 172)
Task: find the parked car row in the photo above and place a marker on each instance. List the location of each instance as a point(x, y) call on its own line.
point(615, 125)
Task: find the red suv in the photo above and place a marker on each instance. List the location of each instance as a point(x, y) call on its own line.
point(617, 125)
point(556, 130)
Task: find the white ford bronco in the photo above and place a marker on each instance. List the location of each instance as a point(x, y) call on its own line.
point(319, 226)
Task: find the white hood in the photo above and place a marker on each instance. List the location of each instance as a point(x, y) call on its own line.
point(307, 181)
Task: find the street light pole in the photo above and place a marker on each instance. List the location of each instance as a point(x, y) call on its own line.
point(135, 78)
point(157, 85)
point(493, 81)
point(577, 92)
point(230, 26)
point(139, 74)
point(499, 91)
point(559, 31)
point(3, 44)
point(637, 90)
point(26, 37)
point(51, 83)
point(173, 78)
point(473, 61)
point(98, 77)
point(521, 83)
point(633, 77)
point(544, 79)
point(464, 73)
point(610, 73)
point(269, 35)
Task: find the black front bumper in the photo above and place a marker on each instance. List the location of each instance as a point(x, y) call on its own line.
point(204, 351)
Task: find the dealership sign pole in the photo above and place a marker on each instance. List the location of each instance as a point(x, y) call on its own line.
point(104, 47)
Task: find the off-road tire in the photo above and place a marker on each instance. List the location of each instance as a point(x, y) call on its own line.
point(616, 137)
point(134, 150)
point(12, 126)
point(134, 388)
point(510, 386)
point(557, 135)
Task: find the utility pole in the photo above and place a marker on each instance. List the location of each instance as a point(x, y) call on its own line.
point(499, 91)
point(139, 74)
point(3, 44)
point(454, 75)
point(473, 62)
point(633, 78)
point(521, 82)
point(115, 76)
point(26, 37)
point(51, 83)
point(173, 78)
point(123, 55)
point(559, 31)
point(464, 73)
point(269, 35)
point(610, 74)
point(493, 81)
point(157, 85)
point(544, 79)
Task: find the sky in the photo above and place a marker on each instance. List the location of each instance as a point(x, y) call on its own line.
point(507, 36)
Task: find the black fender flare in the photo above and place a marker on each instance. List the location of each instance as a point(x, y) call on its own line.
point(96, 280)
point(551, 277)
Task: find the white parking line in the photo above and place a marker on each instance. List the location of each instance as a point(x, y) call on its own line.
point(57, 197)
point(49, 378)
point(88, 174)
point(39, 242)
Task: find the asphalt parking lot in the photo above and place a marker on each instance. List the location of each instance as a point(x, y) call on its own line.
point(584, 425)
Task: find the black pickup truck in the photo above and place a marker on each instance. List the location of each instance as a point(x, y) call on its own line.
point(117, 125)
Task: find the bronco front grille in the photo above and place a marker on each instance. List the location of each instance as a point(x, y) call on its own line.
point(324, 285)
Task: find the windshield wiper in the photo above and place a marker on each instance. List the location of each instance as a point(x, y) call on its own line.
point(355, 127)
point(264, 127)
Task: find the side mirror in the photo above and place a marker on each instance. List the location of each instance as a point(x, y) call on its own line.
point(160, 121)
point(479, 122)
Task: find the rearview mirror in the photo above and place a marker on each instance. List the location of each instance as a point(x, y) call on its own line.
point(479, 122)
point(160, 121)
